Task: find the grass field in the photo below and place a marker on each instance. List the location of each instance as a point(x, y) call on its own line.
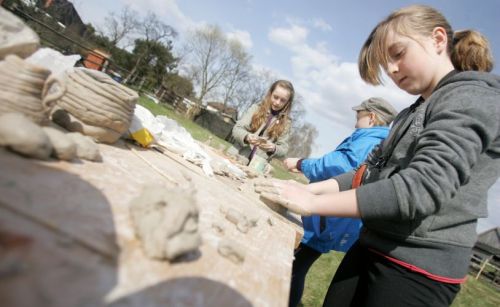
point(474, 293)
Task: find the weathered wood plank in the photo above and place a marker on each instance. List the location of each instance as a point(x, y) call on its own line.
point(83, 249)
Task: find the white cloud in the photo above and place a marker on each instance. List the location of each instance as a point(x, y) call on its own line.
point(322, 25)
point(493, 219)
point(330, 88)
point(243, 37)
point(167, 9)
point(288, 37)
point(171, 14)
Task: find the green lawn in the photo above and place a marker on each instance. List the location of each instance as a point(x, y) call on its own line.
point(319, 277)
point(476, 293)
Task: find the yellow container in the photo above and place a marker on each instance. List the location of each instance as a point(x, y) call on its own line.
point(143, 137)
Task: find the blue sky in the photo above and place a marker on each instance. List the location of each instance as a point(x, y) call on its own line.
point(315, 45)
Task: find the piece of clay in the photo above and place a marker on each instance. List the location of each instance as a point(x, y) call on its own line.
point(22, 85)
point(166, 221)
point(98, 105)
point(21, 135)
point(16, 37)
point(238, 219)
point(252, 221)
point(219, 229)
point(250, 172)
point(224, 167)
point(231, 250)
point(86, 148)
point(64, 146)
point(65, 119)
point(218, 167)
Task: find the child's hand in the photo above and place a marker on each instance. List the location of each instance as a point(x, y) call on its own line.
point(291, 164)
point(263, 185)
point(252, 139)
point(268, 146)
point(289, 194)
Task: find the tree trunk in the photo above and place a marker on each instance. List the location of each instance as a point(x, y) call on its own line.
point(134, 69)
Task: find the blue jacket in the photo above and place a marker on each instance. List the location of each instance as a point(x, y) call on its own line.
point(339, 233)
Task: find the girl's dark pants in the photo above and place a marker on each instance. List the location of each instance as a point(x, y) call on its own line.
point(367, 279)
point(304, 259)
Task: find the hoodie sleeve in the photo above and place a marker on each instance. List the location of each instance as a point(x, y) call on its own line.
point(462, 128)
point(350, 154)
point(332, 164)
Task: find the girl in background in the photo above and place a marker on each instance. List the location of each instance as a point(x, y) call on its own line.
point(264, 129)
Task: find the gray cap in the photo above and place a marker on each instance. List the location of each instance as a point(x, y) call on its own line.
point(379, 106)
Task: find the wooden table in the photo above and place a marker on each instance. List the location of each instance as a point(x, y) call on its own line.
point(66, 238)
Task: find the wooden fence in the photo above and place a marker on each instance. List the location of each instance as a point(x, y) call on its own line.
point(485, 267)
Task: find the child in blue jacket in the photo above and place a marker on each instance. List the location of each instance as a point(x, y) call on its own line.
point(322, 234)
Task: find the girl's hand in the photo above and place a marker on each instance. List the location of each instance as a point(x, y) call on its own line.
point(252, 139)
point(268, 146)
point(290, 194)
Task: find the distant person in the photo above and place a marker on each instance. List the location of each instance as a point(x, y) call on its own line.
point(264, 129)
point(323, 234)
point(421, 193)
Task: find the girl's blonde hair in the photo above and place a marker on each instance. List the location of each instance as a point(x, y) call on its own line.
point(283, 121)
point(422, 20)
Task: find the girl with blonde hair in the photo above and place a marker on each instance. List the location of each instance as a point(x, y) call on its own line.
point(422, 191)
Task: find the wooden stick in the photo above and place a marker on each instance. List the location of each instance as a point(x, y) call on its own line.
point(159, 171)
point(483, 266)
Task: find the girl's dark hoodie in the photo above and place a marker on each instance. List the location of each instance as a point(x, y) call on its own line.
point(420, 205)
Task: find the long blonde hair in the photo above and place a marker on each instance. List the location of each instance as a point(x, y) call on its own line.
point(421, 20)
point(283, 121)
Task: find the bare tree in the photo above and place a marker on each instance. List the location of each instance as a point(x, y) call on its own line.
point(238, 73)
point(303, 134)
point(302, 139)
point(298, 111)
point(151, 31)
point(253, 90)
point(118, 26)
point(213, 61)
